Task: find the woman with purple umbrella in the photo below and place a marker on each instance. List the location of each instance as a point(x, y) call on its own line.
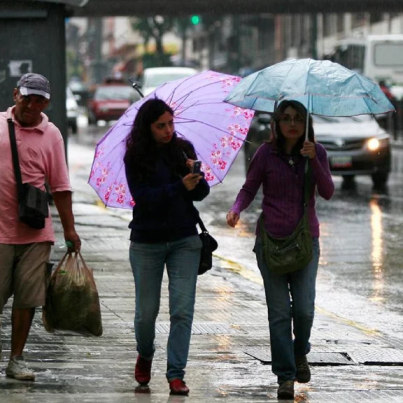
point(163, 233)
point(279, 165)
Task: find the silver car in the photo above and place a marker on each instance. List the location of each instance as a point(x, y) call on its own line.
point(153, 77)
point(355, 146)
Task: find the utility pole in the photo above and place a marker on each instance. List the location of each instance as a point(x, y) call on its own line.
point(98, 50)
point(94, 35)
point(314, 36)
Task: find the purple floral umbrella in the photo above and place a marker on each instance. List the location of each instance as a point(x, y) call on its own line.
point(215, 128)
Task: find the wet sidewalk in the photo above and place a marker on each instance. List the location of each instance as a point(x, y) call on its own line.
point(229, 354)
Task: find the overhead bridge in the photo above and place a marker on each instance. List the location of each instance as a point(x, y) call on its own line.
point(32, 34)
point(99, 8)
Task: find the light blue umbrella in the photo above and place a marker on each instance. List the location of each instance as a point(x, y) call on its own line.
point(324, 87)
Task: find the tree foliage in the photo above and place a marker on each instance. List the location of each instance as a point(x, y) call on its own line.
point(155, 28)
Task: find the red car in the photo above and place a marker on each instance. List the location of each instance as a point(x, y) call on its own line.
point(109, 102)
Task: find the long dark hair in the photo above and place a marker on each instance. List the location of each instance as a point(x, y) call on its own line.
point(278, 137)
point(141, 148)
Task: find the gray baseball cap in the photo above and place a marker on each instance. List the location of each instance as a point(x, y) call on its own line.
point(36, 84)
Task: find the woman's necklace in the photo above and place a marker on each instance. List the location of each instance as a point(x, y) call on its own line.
point(291, 161)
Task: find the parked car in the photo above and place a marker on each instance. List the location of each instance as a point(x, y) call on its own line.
point(153, 77)
point(109, 101)
point(80, 90)
point(355, 146)
point(72, 110)
point(259, 131)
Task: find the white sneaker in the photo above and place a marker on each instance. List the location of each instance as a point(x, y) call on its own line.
point(17, 369)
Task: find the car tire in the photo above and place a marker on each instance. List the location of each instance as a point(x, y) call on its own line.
point(348, 178)
point(74, 128)
point(91, 118)
point(380, 180)
point(348, 182)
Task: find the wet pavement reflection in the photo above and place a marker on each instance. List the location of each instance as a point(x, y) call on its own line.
point(357, 339)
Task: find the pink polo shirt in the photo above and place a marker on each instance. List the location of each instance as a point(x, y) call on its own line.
point(42, 156)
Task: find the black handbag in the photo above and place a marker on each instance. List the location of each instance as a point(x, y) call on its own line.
point(209, 246)
point(292, 253)
point(33, 205)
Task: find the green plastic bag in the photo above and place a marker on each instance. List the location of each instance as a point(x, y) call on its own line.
point(72, 301)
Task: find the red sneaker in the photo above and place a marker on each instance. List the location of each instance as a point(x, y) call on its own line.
point(178, 387)
point(142, 372)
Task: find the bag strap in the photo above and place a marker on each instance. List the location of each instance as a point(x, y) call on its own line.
point(16, 162)
point(307, 181)
point(307, 189)
point(196, 214)
point(199, 220)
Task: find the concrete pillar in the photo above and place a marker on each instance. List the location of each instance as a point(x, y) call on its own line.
point(32, 38)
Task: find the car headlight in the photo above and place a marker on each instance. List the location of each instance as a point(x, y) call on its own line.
point(373, 144)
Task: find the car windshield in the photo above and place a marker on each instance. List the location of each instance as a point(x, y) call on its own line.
point(159, 79)
point(69, 93)
point(114, 92)
point(338, 119)
point(76, 86)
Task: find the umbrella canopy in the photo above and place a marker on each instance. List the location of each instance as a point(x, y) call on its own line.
point(216, 129)
point(324, 87)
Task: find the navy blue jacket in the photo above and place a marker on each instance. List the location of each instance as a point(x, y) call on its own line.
point(163, 210)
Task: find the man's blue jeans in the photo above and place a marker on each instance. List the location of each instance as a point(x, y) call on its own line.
point(290, 302)
point(182, 260)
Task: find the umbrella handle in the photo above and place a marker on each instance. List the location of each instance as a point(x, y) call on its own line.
point(136, 87)
point(307, 126)
point(307, 121)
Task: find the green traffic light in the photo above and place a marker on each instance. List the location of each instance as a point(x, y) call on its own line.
point(195, 19)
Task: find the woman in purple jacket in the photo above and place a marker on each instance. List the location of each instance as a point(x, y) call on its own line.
point(278, 165)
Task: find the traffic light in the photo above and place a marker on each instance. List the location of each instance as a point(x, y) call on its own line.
point(195, 19)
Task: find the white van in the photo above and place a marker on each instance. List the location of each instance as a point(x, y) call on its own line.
point(378, 57)
point(153, 77)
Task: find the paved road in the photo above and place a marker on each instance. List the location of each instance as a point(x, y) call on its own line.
point(352, 361)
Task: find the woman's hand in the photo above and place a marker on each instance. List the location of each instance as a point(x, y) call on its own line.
point(232, 219)
point(308, 150)
point(190, 181)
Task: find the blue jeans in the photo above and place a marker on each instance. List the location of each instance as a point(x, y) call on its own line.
point(182, 261)
point(290, 302)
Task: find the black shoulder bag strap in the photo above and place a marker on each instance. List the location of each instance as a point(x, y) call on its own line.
point(16, 161)
point(201, 225)
point(199, 220)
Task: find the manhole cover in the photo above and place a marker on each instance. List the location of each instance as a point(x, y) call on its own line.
point(314, 358)
point(377, 356)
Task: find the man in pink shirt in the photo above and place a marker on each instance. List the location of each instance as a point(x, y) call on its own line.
point(25, 251)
